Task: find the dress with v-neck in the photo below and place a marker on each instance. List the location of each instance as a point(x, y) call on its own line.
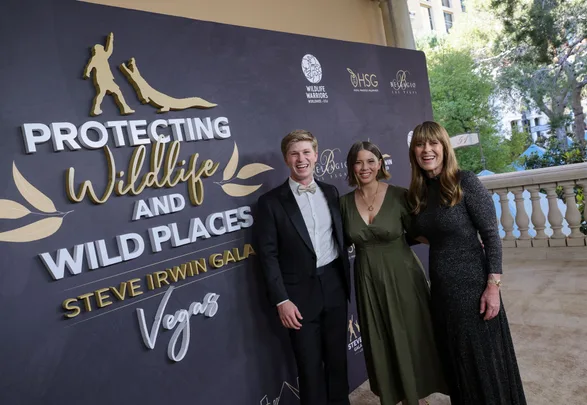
point(393, 302)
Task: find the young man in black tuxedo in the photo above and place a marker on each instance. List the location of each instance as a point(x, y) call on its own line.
point(298, 230)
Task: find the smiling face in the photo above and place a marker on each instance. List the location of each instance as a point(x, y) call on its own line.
point(366, 167)
point(430, 156)
point(301, 159)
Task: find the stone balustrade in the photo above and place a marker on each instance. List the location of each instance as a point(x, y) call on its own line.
point(529, 210)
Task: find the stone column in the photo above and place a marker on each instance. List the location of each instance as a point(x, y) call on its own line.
point(397, 24)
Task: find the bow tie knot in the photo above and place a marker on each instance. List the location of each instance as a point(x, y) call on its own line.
point(310, 188)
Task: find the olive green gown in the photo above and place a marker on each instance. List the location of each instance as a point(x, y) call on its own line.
point(393, 303)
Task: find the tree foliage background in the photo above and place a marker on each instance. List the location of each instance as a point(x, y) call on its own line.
point(522, 54)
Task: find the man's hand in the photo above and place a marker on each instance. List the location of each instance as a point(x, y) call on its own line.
point(490, 302)
point(289, 315)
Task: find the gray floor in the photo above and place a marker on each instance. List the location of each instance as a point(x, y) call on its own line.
point(546, 303)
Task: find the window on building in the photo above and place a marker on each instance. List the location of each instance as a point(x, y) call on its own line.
point(446, 3)
point(448, 21)
point(430, 19)
point(427, 14)
point(463, 8)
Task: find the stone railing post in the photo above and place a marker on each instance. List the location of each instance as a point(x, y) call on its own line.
point(507, 221)
point(573, 216)
point(522, 219)
point(555, 217)
point(538, 218)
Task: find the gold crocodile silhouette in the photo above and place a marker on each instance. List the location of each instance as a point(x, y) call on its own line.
point(148, 94)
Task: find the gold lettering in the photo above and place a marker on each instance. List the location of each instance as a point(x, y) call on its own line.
point(199, 266)
point(216, 260)
point(237, 255)
point(134, 289)
point(178, 272)
point(196, 188)
point(248, 250)
point(101, 299)
point(86, 299)
point(228, 257)
point(69, 305)
point(134, 168)
point(150, 285)
point(160, 277)
point(119, 292)
point(86, 187)
point(164, 172)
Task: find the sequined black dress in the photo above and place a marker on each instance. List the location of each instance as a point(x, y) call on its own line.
point(478, 356)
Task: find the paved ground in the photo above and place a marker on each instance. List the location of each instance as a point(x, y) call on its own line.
point(546, 303)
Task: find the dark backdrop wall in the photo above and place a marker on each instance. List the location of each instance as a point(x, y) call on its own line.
point(92, 292)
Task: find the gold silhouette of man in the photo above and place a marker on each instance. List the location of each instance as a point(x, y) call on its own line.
point(352, 329)
point(103, 78)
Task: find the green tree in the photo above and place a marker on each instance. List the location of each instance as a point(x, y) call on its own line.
point(557, 155)
point(461, 100)
point(544, 56)
point(518, 143)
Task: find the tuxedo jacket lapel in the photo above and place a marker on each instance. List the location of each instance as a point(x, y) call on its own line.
point(290, 205)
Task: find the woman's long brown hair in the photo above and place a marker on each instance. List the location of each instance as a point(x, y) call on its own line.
point(450, 188)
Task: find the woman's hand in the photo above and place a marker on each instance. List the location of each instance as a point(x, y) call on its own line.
point(490, 302)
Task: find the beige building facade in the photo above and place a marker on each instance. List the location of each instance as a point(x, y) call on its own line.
point(348, 20)
point(434, 17)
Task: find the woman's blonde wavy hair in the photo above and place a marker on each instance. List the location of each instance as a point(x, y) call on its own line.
point(450, 188)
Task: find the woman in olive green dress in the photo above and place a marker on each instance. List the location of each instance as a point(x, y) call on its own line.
point(391, 287)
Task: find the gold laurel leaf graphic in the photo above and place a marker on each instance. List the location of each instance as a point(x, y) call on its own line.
point(251, 170)
point(12, 210)
point(231, 165)
point(37, 199)
point(35, 231)
point(385, 156)
point(238, 190)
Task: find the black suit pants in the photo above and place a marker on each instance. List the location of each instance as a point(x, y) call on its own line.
point(320, 344)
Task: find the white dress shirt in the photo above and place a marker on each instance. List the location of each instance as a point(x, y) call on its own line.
point(316, 214)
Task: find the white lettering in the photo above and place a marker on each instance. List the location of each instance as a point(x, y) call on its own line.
point(154, 135)
point(64, 259)
point(180, 320)
point(158, 235)
point(136, 133)
point(103, 257)
point(30, 139)
point(118, 135)
point(123, 247)
point(85, 140)
point(64, 135)
point(141, 210)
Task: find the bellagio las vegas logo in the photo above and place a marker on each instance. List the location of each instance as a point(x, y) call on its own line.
point(98, 68)
point(355, 341)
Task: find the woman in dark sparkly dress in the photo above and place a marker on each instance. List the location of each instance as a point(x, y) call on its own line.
point(451, 209)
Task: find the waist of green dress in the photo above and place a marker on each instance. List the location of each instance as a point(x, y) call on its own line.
point(377, 245)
